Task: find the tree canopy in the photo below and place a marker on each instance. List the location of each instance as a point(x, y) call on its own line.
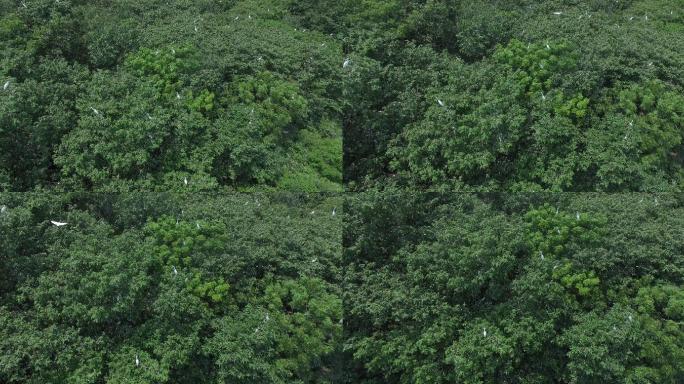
point(488, 95)
point(164, 288)
point(516, 288)
point(126, 96)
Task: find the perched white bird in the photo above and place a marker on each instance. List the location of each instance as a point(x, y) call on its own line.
point(314, 260)
point(631, 123)
point(558, 13)
point(178, 96)
point(196, 29)
point(57, 223)
point(655, 201)
point(175, 271)
point(95, 111)
point(3, 209)
point(484, 332)
point(4, 87)
point(346, 63)
point(333, 212)
point(629, 317)
point(312, 212)
point(198, 226)
point(185, 181)
point(577, 215)
point(440, 102)
point(541, 254)
point(267, 318)
point(631, 18)
point(543, 96)
point(137, 361)
point(547, 46)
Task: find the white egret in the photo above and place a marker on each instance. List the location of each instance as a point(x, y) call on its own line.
point(484, 332)
point(346, 63)
point(629, 317)
point(57, 223)
point(3, 209)
point(333, 212)
point(558, 13)
point(178, 96)
point(577, 215)
point(543, 96)
point(547, 46)
point(95, 111)
point(137, 361)
point(440, 102)
point(541, 254)
point(185, 181)
point(4, 87)
point(312, 212)
point(175, 271)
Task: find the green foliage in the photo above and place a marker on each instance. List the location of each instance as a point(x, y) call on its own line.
point(125, 293)
point(486, 288)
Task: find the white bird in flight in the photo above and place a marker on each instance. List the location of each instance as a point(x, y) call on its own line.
point(57, 223)
point(95, 111)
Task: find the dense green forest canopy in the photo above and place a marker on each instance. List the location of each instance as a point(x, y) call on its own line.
point(523, 95)
point(167, 95)
point(514, 288)
point(162, 288)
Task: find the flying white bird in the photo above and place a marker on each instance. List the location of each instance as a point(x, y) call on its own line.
point(4, 87)
point(95, 111)
point(484, 332)
point(57, 223)
point(346, 63)
point(137, 361)
point(440, 102)
point(175, 271)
